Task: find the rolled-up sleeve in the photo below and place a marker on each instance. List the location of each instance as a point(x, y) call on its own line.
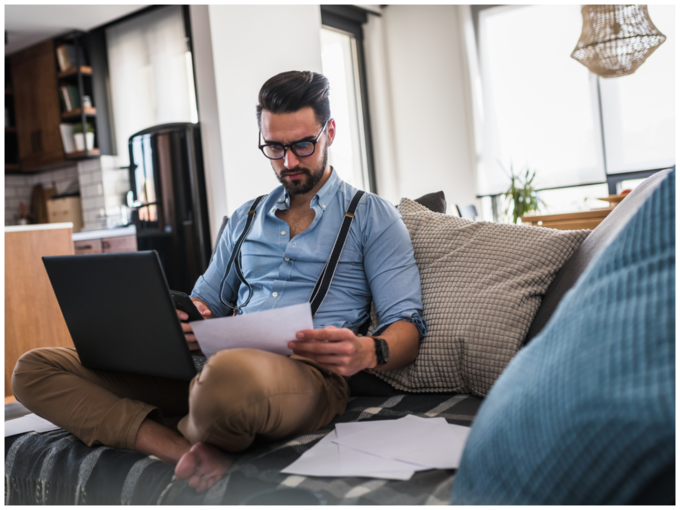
point(391, 269)
point(207, 286)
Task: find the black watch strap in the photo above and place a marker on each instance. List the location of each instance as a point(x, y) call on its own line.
point(382, 350)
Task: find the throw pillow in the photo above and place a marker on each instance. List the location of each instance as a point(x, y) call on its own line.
point(433, 201)
point(585, 414)
point(482, 283)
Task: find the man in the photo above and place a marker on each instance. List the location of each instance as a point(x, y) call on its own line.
point(244, 393)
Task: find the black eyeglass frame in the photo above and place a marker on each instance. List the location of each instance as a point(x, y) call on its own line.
point(291, 146)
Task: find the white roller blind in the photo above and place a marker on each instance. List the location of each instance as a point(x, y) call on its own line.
point(348, 152)
point(540, 106)
point(151, 74)
point(638, 111)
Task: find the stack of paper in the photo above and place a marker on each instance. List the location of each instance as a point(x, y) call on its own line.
point(28, 423)
point(391, 449)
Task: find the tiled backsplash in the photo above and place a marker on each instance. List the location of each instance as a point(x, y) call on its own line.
point(18, 188)
point(102, 191)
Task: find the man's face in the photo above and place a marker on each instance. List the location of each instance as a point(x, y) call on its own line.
point(298, 175)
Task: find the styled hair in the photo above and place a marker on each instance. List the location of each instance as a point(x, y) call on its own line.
point(290, 91)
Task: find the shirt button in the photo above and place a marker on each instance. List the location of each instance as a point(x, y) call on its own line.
point(280, 199)
point(275, 294)
point(283, 232)
point(287, 259)
point(324, 206)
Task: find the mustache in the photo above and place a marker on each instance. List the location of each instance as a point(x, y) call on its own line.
point(296, 170)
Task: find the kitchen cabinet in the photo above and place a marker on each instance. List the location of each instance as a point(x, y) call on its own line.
point(36, 102)
point(32, 314)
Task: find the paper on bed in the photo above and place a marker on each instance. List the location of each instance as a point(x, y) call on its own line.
point(270, 330)
point(329, 459)
point(429, 442)
point(28, 423)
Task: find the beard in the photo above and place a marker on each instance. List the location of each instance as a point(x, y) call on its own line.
point(309, 179)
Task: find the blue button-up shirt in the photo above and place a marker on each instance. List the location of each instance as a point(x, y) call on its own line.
point(377, 261)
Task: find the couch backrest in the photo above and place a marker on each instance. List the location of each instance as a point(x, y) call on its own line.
point(599, 238)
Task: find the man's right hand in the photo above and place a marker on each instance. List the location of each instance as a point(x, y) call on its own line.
point(186, 327)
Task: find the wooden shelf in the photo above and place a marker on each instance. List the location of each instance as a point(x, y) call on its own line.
point(77, 112)
point(10, 129)
point(86, 70)
point(12, 167)
point(81, 154)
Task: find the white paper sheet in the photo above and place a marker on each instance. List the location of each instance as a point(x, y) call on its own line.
point(28, 423)
point(430, 442)
point(270, 330)
point(327, 458)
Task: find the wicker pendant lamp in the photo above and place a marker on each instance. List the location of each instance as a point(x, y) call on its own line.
point(616, 39)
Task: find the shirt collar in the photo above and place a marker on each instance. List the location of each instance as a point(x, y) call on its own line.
point(323, 196)
point(329, 188)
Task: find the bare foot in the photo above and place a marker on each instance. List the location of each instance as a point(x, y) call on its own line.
point(203, 465)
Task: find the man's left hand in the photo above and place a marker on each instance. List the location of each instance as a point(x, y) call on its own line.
point(337, 350)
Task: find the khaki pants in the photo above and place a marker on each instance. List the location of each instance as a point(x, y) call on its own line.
point(240, 394)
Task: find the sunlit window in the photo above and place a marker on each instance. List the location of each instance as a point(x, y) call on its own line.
point(539, 105)
point(348, 152)
point(638, 111)
point(151, 73)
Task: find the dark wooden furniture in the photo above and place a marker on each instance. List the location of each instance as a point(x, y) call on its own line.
point(34, 76)
point(11, 146)
point(34, 95)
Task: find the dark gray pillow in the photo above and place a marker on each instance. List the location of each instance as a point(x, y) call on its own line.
point(435, 202)
point(589, 249)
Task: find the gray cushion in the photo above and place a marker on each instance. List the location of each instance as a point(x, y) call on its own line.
point(435, 202)
point(482, 283)
point(590, 248)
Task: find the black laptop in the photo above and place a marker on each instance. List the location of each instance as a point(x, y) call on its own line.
point(120, 313)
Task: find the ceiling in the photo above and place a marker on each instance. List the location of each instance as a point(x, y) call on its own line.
point(27, 25)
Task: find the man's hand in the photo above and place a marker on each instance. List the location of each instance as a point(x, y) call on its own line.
point(337, 350)
point(186, 327)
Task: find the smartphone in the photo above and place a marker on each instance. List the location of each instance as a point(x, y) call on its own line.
point(184, 303)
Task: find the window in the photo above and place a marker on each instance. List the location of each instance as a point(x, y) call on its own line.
point(638, 111)
point(342, 62)
point(544, 110)
point(146, 53)
point(539, 105)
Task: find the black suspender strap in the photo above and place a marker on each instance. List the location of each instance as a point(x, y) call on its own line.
point(235, 257)
point(326, 277)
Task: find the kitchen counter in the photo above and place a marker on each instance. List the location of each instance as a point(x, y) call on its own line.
point(39, 226)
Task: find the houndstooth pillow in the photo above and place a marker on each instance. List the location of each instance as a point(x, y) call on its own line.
point(482, 284)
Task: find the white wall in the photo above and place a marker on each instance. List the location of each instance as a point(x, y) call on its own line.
point(211, 137)
point(427, 87)
point(250, 44)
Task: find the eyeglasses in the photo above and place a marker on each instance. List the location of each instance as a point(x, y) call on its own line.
point(301, 149)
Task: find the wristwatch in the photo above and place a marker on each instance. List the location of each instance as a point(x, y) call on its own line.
point(382, 350)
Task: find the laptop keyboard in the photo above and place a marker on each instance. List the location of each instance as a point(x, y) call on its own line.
point(199, 362)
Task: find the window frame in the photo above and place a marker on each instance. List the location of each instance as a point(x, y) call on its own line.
point(350, 19)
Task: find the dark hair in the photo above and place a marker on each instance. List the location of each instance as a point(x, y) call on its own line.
point(290, 91)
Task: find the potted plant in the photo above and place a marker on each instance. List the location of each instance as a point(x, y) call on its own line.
point(522, 195)
point(80, 140)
